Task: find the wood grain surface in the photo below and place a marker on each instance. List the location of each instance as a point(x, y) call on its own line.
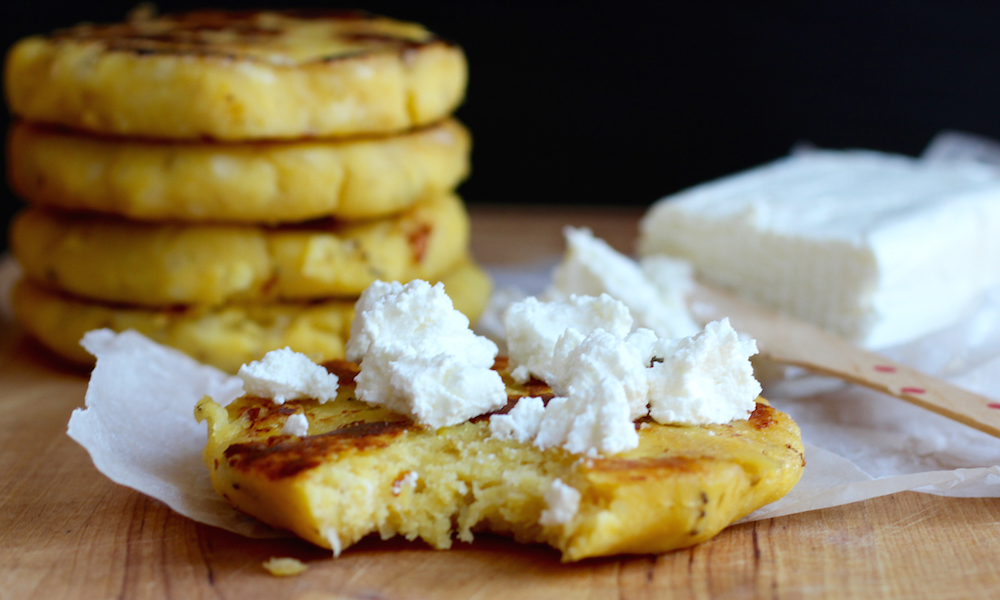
point(67, 532)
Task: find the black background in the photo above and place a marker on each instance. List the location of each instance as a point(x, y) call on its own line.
point(619, 103)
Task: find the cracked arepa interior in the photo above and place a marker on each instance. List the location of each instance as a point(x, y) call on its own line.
point(361, 470)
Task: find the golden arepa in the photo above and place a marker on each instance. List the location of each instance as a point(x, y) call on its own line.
point(363, 469)
point(165, 264)
point(223, 336)
point(247, 75)
point(262, 182)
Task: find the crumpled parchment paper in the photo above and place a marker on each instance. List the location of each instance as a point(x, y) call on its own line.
point(139, 427)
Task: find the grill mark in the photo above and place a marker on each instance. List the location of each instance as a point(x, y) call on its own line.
point(189, 34)
point(284, 456)
point(762, 417)
point(345, 370)
point(325, 224)
point(537, 387)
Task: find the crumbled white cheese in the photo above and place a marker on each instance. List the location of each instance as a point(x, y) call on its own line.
point(593, 421)
point(878, 248)
point(601, 357)
point(561, 504)
point(592, 267)
point(286, 375)
point(604, 381)
point(419, 357)
point(705, 379)
point(605, 387)
point(364, 330)
point(533, 328)
point(645, 342)
point(409, 480)
point(438, 390)
point(521, 423)
point(490, 323)
point(673, 276)
point(297, 425)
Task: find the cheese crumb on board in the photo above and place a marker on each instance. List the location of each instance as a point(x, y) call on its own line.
point(284, 567)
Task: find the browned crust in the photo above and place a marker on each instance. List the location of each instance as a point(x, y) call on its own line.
point(762, 417)
point(285, 456)
point(345, 370)
point(184, 34)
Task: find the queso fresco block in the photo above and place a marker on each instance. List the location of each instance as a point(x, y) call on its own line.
point(878, 248)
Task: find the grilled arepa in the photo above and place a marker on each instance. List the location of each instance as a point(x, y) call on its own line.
point(224, 336)
point(364, 469)
point(164, 264)
point(260, 182)
point(238, 76)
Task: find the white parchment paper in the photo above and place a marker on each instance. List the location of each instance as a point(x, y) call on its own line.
point(139, 428)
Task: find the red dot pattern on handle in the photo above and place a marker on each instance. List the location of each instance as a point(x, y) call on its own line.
point(913, 390)
point(885, 369)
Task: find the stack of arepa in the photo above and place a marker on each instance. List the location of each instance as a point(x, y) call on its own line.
point(228, 183)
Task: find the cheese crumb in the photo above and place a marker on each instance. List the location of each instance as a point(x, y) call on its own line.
point(284, 567)
point(364, 331)
point(605, 389)
point(599, 357)
point(521, 423)
point(297, 425)
point(594, 422)
point(604, 380)
point(283, 375)
point(419, 358)
point(533, 327)
point(653, 292)
point(706, 378)
point(562, 503)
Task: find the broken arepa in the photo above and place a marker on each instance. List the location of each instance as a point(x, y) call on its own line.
point(363, 469)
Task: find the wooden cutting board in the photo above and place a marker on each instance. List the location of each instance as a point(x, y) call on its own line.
point(67, 532)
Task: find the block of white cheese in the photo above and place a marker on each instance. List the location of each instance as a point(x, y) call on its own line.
point(877, 248)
